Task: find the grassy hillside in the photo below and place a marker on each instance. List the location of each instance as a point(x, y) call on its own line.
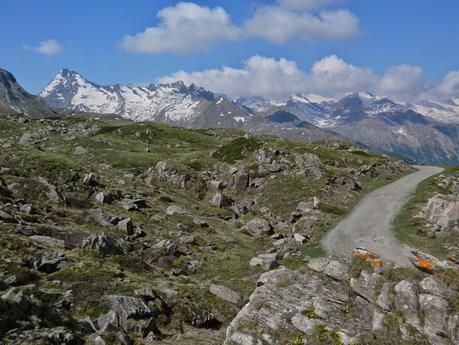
point(177, 255)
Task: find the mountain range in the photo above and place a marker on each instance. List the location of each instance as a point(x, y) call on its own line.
point(425, 133)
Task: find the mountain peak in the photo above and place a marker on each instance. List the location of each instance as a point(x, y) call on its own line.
point(13, 97)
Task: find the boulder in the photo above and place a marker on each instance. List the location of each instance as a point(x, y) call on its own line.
point(300, 239)
point(79, 150)
point(102, 243)
point(225, 293)
point(7, 218)
point(133, 204)
point(101, 217)
point(443, 211)
point(220, 200)
point(173, 209)
point(126, 225)
point(104, 198)
point(90, 179)
point(267, 261)
point(240, 181)
point(258, 227)
point(146, 293)
point(128, 308)
point(348, 182)
point(52, 194)
point(50, 262)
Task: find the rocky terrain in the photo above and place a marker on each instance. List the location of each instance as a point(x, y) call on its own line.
point(139, 233)
point(430, 220)
point(347, 301)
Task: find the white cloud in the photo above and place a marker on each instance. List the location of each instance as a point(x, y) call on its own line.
point(186, 27)
point(402, 82)
point(307, 5)
point(260, 76)
point(189, 27)
point(333, 76)
point(449, 87)
point(278, 24)
point(330, 76)
point(49, 47)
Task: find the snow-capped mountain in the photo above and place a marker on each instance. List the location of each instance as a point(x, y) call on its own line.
point(444, 111)
point(424, 133)
point(174, 103)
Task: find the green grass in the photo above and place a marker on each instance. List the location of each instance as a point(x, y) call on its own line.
point(236, 149)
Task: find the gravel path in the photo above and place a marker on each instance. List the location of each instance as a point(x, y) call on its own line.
point(369, 225)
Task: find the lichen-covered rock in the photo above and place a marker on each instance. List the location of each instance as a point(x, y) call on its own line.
point(259, 227)
point(225, 293)
point(102, 243)
point(50, 262)
point(101, 217)
point(442, 211)
point(128, 308)
point(220, 200)
point(406, 301)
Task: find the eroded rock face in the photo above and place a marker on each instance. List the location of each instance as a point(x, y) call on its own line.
point(289, 305)
point(128, 308)
point(442, 211)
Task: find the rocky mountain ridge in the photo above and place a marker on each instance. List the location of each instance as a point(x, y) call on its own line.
point(14, 98)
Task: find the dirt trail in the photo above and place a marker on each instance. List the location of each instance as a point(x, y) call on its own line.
point(370, 224)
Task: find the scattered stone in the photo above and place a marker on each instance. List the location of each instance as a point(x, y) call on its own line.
point(225, 293)
point(173, 209)
point(102, 243)
point(128, 308)
point(126, 225)
point(316, 202)
point(348, 182)
point(90, 179)
point(101, 217)
point(300, 239)
point(48, 241)
point(53, 194)
point(79, 150)
point(258, 227)
point(220, 200)
point(50, 262)
point(7, 218)
point(280, 242)
point(146, 293)
point(240, 181)
point(104, 198)
point(266, 261)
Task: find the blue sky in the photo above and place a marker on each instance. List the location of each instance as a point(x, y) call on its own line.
point(88, 37)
